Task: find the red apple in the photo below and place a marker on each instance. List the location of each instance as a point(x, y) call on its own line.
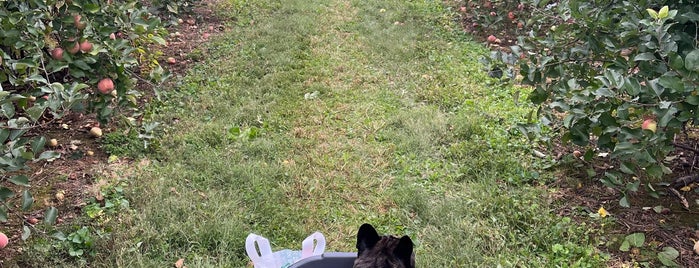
point(511, 15)
point(171, 60)
point(3, 240)
point(492, 38)
point(57, 53)
point(75, 49)
point(493, 14)
point(105, 86)
point(463, 9)
point(78, 24)
point(85, 46)
point(112, 36)
point(650, 124)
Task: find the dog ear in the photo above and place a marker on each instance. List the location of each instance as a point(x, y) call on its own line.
point(404, 251)
point(367, 237)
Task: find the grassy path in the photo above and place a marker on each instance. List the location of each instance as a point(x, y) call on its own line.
point(321, 115)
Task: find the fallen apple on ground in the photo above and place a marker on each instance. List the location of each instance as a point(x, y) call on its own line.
point(3, 240)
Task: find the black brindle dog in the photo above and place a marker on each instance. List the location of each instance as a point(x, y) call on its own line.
point(386, 251)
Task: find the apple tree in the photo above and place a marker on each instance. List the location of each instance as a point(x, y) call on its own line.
point(618, 78)
point(62, 56)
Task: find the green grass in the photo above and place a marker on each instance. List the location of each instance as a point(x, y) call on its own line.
point(407, 133)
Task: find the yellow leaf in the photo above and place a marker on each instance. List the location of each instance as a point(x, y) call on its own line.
point(602, 212)
point(652, 13)
point(664, 12)
point(686, 188)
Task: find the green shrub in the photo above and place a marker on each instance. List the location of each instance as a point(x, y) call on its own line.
point(616, 77)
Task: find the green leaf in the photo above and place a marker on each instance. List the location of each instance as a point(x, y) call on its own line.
point(91, 8)
point(647, 56)
point(5, 193)
point(627, 167)
point(59, 235)
point(48, 156)
point(3, 214)
point(625, 246)
point(676, 62)
point(20, 180)
point(668, 255)
point(624, 202)
point(27, 200)
point(159, 40)
point(671, 82)
point(4, 133)
point(633, 186)
point(654, 171)
point(691, 62)
point(75, 252)
point(38, 143)
point(667, 116)
point(692, 99)
point(234, 133)
point(50, 215)
point(658, 209)
point(636, 239)
point(26, 232)
point(35, 112)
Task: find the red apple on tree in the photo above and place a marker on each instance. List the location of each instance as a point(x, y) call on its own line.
point(75, 49)
point(57, 53)
point(650, 124)
point(105, 86)
point(86, 46)
point(78, 24)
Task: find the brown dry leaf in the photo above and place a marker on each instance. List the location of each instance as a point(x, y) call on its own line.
point(179, 263)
